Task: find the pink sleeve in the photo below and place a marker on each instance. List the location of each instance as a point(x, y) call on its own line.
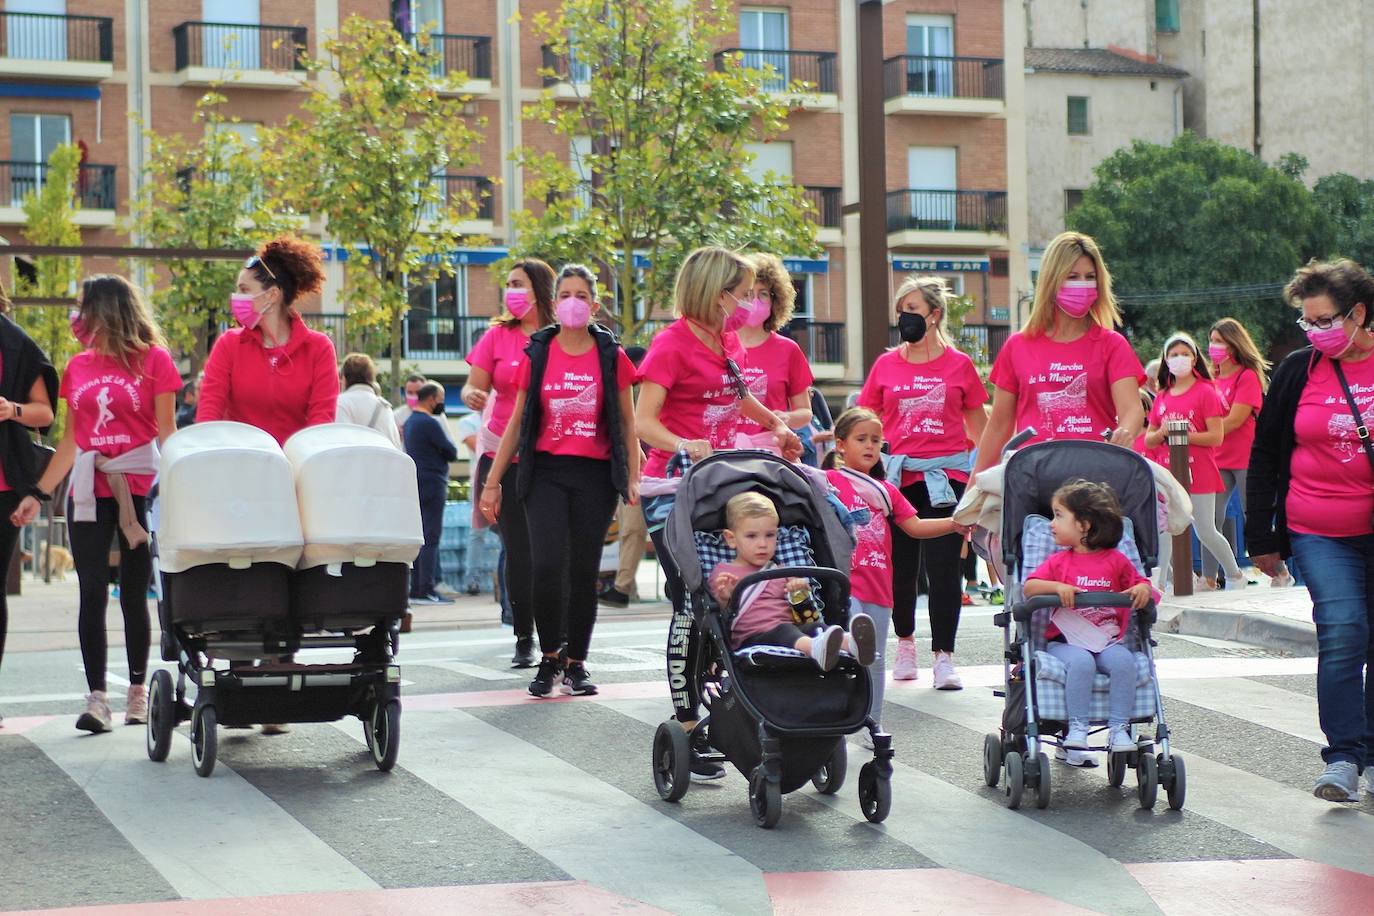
point(1212, 405)
point(1003, 373)
point(1156, 411)
point(871, 394)
point(902, 509)
point(165, 376)
point(522, 376)
point(799, 375)
point(1248, 390)
point(624, 370)
point(324, 385)
point(64, 388)
point(661, 364)
point(975, 395)
point(481, 354)
point(1121, 360)
point(213, 399)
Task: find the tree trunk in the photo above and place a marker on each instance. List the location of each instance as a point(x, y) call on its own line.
point(396, 385)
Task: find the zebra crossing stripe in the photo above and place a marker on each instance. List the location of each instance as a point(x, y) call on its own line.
point(1254, 701)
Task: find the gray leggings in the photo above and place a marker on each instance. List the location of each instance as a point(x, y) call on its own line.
point(1115, 661)
point(877, 672)
point(1232, 479)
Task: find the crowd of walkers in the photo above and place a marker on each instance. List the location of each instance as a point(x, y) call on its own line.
point(573, 432)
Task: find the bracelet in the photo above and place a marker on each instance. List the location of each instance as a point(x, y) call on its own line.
point(489, 484)
point(38, 494)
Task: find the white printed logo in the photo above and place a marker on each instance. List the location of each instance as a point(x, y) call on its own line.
point(103, 399)
point(929, 406)
point(721, 420)
point(575, 415)
point(1064, 410)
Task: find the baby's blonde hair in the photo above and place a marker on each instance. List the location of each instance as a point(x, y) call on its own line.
point(748, 505)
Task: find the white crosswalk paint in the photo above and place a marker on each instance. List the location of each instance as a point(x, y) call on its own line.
point(216, 837)
point(1263, 704)
point(636, 852)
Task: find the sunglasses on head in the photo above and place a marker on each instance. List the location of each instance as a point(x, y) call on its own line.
point(256, 261)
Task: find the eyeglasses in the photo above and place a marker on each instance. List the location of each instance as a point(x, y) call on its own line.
point(256, 261)
point(1320, 324)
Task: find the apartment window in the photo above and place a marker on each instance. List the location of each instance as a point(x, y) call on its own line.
point(1072, 198)
point(802, 307)
point(930, 55)
point(1078, 116)
point(763, 34)
point(33, 137)
point(436, 322)
point(579, 157)
point(933, 183)
point(1166, 15)
point(36, 38)
point(775, 157)
point(226, 43)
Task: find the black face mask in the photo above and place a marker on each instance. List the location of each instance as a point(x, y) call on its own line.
point(437, 409)
point(911, 327)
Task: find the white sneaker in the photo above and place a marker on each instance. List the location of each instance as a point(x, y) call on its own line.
point(1339, 782)
point(1082, 759)
point(945, 677)
point(136, 705)
point(904, 667)
point(1077, 737)
point(1237, 584)
point(97, 717)
point(825, 646)
point(1282, 580)
point(1119, 739)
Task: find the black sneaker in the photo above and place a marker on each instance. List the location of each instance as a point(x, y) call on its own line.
point(614, 597)
point(524, 656)
point(576, 681)
point(703, 770)
point(542, 685)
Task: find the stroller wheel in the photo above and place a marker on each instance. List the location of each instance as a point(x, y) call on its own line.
point(161, 715)
point(1176, 783)
point(1116, 768)
point(992, 759)
point(384, 727)
point(765, 799)
point(830, 777)
point(204, 740)
point(1042, 785)
point(1147, 781)
point(875, 794)
point(1016, 778)
point(672, 761)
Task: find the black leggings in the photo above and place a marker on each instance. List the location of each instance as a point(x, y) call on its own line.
point(91, 554)
point(570, 505)
point(515, 537)
point(938, 558)
point(684, 637)
point(9, 536)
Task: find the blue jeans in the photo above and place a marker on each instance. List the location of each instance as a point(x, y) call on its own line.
point(422, 574)
point(1115, 661)
point(1340, 578)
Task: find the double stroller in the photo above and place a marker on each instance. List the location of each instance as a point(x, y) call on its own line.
point(1034, 712)
point(773, 713)
point(261, 552)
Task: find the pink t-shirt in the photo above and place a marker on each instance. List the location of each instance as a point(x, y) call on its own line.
point(111, 408)
point(699, 402)
point(572, 397)
point(1195, 405)
point(922, 404)
point(1064, 390)
point(770, 609)
point(1331, 488)
point(870, 568)
point(776, 372)
point(1097, 571)
point(501, 351)
point(1241, 388)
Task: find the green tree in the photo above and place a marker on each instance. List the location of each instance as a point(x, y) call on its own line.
point(1349, 202)
point(666, 169)
point(381, 129)
point(1200, 215)
point(201, 193)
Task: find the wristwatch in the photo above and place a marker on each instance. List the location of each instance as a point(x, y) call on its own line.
point(18, 410)
point(38, 494)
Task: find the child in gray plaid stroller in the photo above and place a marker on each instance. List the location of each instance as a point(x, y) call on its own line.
point(1082, 657)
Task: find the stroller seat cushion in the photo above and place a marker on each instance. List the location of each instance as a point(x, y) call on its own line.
point(794, 548)
point(1052, 705)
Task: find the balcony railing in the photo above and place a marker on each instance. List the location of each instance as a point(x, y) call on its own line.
point(821, 341)
point(962, 211)
point(981, 341)
point(46, 36)
point(942, 77)
point(95, 184)
point(827, 202)
point(818, 68)
point(567, 68)
point(224, 45)
point(466, 54)
point(452, 187)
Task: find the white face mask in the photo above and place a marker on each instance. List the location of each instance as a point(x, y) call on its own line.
point(1180, 365)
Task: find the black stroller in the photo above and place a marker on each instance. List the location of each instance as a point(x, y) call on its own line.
point(772, 713)
point(250, 577)
point(1035, 711)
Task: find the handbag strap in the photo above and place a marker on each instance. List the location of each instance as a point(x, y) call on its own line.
point(1361, 429)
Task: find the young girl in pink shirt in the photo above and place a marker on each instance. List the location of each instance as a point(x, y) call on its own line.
point(1087, 521)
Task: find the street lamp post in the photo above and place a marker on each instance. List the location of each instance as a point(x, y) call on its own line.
point(873, 265)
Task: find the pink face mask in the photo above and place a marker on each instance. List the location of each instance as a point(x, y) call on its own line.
point(83, 336)
point(759, 310)
point(412, 401)
point(739, 316)
point(1076, 297)
point(573, 312)
point(1332, 341)
point(1218, 353)
point(518, 301)
point(241, 306)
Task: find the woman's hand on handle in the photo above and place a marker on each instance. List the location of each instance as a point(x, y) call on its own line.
point(788, 442)
point(1271, 564)
point(696, 449)
point(1123, 437)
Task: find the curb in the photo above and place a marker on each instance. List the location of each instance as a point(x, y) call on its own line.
point(1264, 630)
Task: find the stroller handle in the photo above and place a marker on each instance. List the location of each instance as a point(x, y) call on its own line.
point(1025, 609)
point(1017, 441)
point(820, 573)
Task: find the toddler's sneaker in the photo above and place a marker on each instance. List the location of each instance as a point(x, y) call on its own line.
point(904, 667)
point(944, 674)
point(1282, 580)
point(862, 642)
point(1339, 782)
point(1119, 739)
point(825, 646)
point(1082, 759)
point(576, 681)
point(1077, 738)
point(97, 717)
point(1235, 585)
point(136, 705)
point(542, 685)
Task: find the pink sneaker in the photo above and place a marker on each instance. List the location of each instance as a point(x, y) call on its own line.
point(904, 667)
point(136, 705)
point(945, 677)
point(96, 718)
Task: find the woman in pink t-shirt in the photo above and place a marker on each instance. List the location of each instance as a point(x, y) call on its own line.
point(774, 367)
point(121, 403)
point(691, 398)
point(1067, 373)
point(1186, 392)
point(573, 427)
point(493, 374)
point(931, 400)
point(1241, 375)
point(1310, 495)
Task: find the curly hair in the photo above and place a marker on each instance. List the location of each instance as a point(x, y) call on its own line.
point(1345, 282)
point(770, 271)
point(293, 265)
point(1096, 505)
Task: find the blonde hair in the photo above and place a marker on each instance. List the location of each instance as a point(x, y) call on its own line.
point(1247, 355)
point(772, 273)
point(748, 505)
point(1055, 264)
point(115, 313)
point(934, 293)
point(704, 275)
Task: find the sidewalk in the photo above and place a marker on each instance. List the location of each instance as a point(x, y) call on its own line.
point(1272, 618)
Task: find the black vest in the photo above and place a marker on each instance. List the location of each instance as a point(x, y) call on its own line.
point(24, 363)
point(608, 349)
